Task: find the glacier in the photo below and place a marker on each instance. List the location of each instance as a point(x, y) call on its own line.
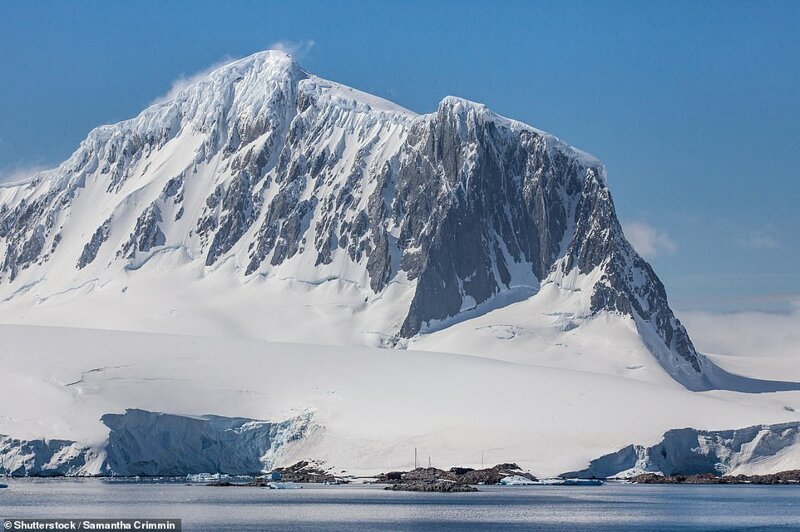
point(143, 443)
point(760, 449)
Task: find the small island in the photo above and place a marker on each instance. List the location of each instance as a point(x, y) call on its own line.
point(456, 479)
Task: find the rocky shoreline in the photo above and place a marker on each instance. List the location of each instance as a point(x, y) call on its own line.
point(443, 486)
point(783, 477)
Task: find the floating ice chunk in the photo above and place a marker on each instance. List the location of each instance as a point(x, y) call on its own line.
point(516, 480)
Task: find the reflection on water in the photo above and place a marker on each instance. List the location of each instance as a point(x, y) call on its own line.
point(609, 507)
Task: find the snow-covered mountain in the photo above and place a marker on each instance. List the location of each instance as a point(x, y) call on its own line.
point(253, 245)
point(264, 173)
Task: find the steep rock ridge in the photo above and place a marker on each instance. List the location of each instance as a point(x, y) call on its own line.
point(763, 448)
point(628, 284)
point(146, 235)
point(93, 246)
point(483, 197)
point(276, 172)
point(326, 182)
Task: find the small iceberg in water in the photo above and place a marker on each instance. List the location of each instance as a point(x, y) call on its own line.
point(517, 480)
point(571, 482)
point(283, 486)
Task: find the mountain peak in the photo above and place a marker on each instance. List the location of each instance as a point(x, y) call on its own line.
point(259, 173)
point(459, 102)
point(268, 62)
point(251, 77)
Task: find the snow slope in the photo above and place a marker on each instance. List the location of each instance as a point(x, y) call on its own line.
point(371, 406)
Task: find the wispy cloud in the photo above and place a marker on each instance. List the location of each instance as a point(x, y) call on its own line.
point(647, 240)
point(746, 333)
point(19, 174)
point(297, 49)
point(184, 80)
point(759, 240)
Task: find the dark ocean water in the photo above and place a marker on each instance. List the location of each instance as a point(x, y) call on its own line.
point(365, 507)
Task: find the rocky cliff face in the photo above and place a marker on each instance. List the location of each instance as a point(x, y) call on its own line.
point(282, 173)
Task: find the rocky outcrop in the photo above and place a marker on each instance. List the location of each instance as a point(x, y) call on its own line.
point(782, 477)
point(440, 486)
point(93, 246)
point(306, 472)
point(146, 235)
point(458, 475)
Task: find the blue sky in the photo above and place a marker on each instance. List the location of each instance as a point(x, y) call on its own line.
point(694, 107)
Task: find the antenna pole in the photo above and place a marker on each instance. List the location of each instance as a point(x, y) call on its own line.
point(415, 457)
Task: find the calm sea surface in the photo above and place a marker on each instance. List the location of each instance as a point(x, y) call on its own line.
point(608, 507)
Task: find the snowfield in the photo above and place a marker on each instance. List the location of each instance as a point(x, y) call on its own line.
point(369, 407)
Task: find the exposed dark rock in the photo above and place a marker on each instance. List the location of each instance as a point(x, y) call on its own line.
point(239, 212)
point(27, 228)
point(174, 188)
point(93, 246)
point(460, 475)
point(629, 285)
point(503, 191)
point(784, 477)
point(283, 228)
point(494, 475)
point(146, 235)
point(304, 472)
point(444, 486)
